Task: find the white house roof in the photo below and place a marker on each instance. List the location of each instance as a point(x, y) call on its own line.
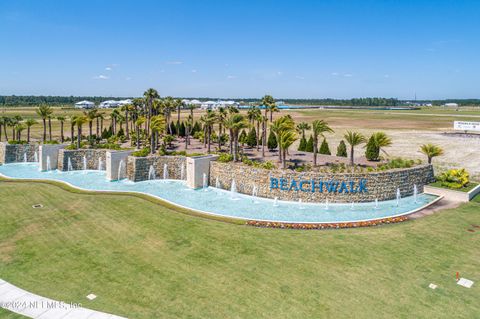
point(84, 102)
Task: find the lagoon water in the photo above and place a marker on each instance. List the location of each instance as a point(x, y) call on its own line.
point(220, 202)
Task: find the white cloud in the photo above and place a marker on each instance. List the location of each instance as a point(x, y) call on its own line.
point(334, 73)
point(194, 71)
point(279, 73)
point(108, 68)
point(386, 76)
point(299, 77)
point(174, 62)
point(101, 77)
point(231, 77)
point(128, 78)
point(348, 75)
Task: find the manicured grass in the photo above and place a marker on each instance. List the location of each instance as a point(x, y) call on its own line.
point(143, 260)
point(5, 314)
point(463, 189)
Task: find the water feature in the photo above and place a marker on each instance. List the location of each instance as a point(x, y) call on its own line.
point(255, 194)
point(121, 170)
point(217, 183)
point(300, 206)
point(415, 193)
point(69, 166)
point(352, 207)
point(165, 171)
point(216, 201)
point(376, 203)
point(398, 196)
point(326, 204)
point(151, 173)
point(182, 172)
point(233, 190)
point(84, 163)
point(100, 164)
point(205, 182)
point(35, 157)
point(25, 157)
point(49, 165)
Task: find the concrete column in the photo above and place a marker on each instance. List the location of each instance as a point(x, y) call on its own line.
point(113, 160)
point(49, 151)
point(196, 167)
point(3, 150)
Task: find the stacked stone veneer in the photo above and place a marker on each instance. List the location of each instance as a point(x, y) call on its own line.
point(76, 157)
point(13, 153)
point(380, 185)
point(138, 167)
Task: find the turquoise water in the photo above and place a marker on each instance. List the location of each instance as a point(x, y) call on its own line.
point(224, 203)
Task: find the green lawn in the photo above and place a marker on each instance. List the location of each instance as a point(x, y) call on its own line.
point(143, 260)
point(463, 189)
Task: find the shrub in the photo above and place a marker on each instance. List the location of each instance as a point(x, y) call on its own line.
point(272, 141)
point(252, 138)
point(21, 142)
point(303, 144)
point(142, 153)
point(121, 133)
point(267, 165)
point(397, 163)
point(342, 149)
point(198, 135)
point(181, 129)
point(225, 158)
point(372, 152)
point(454, 178)
point(109, 146)
point(173, 128)
point(242, 139)
point(324, 149)
point(309, 147)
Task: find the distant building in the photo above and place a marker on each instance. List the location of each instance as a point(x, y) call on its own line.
point(84, 105)
point(212, 105)
point(451, 105)
point(111, 104)
point(196, 103)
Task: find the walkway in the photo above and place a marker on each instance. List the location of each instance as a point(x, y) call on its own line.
point(27, 304)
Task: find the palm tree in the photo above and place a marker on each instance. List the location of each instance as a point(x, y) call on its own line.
point(90, 116)
point(287, 139)
point(157, 127)
point(115, 116)
point(235, 123)
point(61, 119)
point(302, 127)
point(126, 108)
point(19, 127)
point(178, 104)
point(273, 108)
point(50, 127)
point(13, 123)
point(188, 126)
point(191, 107)
point(268, 101)
point(6, 122)
point(150, 95)
point(208, 120)
point(382, 140)
point(280, 126)
point(72, 128)
point(2, 122)
point(79, 120)
point(319, 127)
point(44, 111)
point(431, 151)
point(354, 139)
point(264, 134)
point(138, 123)
point(29, 123)
point(221, 118)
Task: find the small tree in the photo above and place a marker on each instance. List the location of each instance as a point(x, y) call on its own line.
point(272, 141)
point(372, 151)
point(252, 138)
point(242, 139)
point(303, 144)
point(181, 129)
point(309, 147)
point(174, 128)
point(342, 149)
point(431, 151)
point(324, 148)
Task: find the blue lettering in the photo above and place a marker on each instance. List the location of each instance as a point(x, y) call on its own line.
point(331, 186)
point(319, 186)
point(273, 183)
point(362, 187)
point(352, 188)
point(283, 184)
point(343, 188)
point(293, 185)
point(301, 186)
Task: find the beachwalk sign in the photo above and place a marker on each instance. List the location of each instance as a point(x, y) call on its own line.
point(319, 186)
point(466, 126)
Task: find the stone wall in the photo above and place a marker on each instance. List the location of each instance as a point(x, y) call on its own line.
point(138, 167)
point(379, 185)
point(14, 153)
point(92, 156)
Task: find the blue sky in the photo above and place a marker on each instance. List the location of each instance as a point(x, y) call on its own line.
point(296, 49)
